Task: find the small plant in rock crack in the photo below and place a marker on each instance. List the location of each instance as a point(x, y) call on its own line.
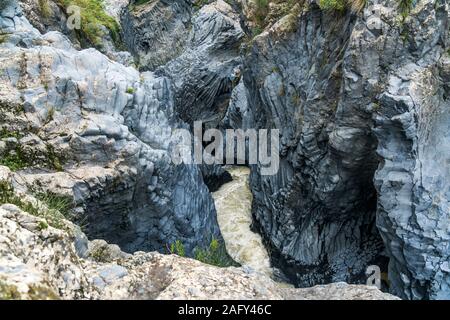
point(15, 159)
point(216, 254)
point(45, 9)
point(100, 254)
point(405, 7)
point(49, 207)
point(62, 204)
point(177, 248)
point(50, 115)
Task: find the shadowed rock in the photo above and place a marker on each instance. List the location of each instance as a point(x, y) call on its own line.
point(109, 129)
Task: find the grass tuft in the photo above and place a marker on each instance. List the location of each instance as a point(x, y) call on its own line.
point(45, 9)
point(8, 292)
point(52, 208)
point(405, 7)
point(216, 254)
point(177, 248)
point(333, 5)
point(17, 158)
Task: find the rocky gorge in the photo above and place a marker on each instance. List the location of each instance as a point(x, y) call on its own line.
point(92, 207)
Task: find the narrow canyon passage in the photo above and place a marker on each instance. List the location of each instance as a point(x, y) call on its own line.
point(233, 204)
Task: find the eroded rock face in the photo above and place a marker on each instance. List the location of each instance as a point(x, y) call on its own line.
point(354, 95)
point(412, 127)
point(361, 101)
point(109, 129)
point(197, 49)
point(114, 7)
point(204, 75)
point(156, 32)
point(318, 212)
point(38, 263)
point(50, 15)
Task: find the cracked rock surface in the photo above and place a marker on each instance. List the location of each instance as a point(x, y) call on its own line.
point(43, 264)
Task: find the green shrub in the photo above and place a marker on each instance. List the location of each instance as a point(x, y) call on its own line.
point(216, 254)
point(93, 16)
point(256, 31)
point(53, 160)
point(5, 133)
point(335, 5)
point(262, 12)
point(8, 292)
point(101, 254)
point(405, 7)
point(262, 9)
point(44, 8)
point(15, 160)
point(178, 248)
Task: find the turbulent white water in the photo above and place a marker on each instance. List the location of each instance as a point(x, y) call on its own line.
point(233, 204)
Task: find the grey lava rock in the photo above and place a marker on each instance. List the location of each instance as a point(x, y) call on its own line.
point(197, 49)
point(412, 128)
point(361, 102)
point(50, 15)
point(156, 31)
point(317, 214)
point(205, 73)
point(108, 132)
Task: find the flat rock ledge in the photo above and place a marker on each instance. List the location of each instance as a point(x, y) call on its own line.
point(38, 261)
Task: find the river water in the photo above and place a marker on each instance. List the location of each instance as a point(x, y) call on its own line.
point(233, 204)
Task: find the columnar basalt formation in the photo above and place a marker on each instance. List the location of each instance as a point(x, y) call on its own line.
point(361, 99)
point(318, 212)
point(107, 130)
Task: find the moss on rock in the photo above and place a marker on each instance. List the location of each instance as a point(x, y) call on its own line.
point(8, 292)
